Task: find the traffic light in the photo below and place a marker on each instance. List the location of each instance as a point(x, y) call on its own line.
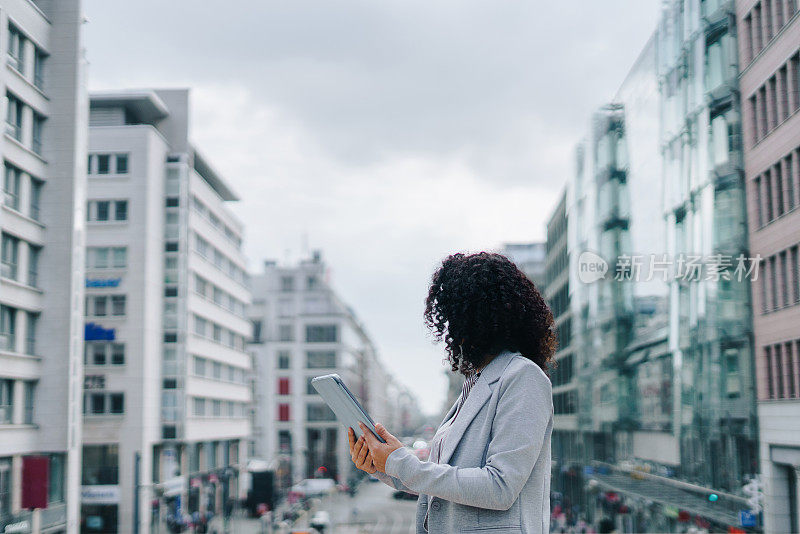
point(755, 496)
point(713, 497)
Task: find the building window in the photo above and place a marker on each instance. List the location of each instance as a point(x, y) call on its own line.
point(286, 332)
point(121, 163)
point(36, 198)
point(217, 333)
point(200, 325)
point(320, 359)
point(118, 305)
point(16, 49)
point(257, 331)
point(319, 412)
point(103, 403)
point(117, 354)
point(199, 407)
point(11, 181)
point(39, 59)
point(216, 370)
point(8, 339)
point(284, 360)
point(106, 257)
point(36, 135)
point(103, 163)
point(199, 366)
point(14, 117)
point(5, 487)
point(55, 493)
point(283, 412)
point(321, 333)
point(101, 211)
point(121, 210)
point(770, 375)
point(283, 386)
point(30, 336)
point(117, 403)
point(97, 403)
point(98, 305)
point(33, 265)
point(10, 257)
point(6, 401)
point(30, 394)
point(100, 465)
point(287, 283)
point(102, 353)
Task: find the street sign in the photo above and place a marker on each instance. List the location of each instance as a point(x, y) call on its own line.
point(747, 518)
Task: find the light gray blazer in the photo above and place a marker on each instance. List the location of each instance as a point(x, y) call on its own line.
point(494, 472)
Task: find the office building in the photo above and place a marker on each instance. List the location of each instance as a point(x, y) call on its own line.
point(41, 277)
point(166, 368)
point(302, 329)
point(530, 258)
point(566, 439)
point(665, 404)
point(710, 324)
point(769, 81)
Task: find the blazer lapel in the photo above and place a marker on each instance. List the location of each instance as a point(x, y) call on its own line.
point(478, 396)
point(449, 412)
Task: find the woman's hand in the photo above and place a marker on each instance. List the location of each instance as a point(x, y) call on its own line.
point(378, 451)
point(359, 452)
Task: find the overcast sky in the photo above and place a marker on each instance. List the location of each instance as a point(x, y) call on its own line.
point(387, 134)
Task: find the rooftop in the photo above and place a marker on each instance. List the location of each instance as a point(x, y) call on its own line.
point(143, 105)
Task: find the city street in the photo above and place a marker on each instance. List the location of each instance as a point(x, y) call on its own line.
point(372, 510)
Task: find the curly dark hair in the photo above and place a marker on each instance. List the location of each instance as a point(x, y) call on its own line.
point(482, 304)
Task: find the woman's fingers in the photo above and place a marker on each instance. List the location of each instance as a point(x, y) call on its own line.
point(362, 455)
point(355, 450)
point(359, 453)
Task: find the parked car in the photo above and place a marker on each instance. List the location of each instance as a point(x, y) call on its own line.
point(314, 487)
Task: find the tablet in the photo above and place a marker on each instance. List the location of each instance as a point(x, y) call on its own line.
point(343, 403)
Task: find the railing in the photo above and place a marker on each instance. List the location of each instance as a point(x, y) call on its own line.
point(11, 200)
point(7, 342)
point(14, 130)
point(6, 414)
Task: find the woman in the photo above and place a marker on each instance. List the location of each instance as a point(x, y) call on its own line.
point(489, 468)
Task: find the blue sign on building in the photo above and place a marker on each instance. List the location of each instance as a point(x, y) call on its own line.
point(103, 282)
point(95, 332)
point(747, 518)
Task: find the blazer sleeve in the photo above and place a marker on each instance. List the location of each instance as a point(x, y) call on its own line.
point(393, 482)
point(524, 409)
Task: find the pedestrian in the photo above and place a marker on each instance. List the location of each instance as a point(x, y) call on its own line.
point(489, 465)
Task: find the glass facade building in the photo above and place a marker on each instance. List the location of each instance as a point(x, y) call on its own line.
point(664, 430)
point(710, 332)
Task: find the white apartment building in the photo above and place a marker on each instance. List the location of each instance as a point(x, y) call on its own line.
point(166, 388)
point(43, 148)
point(301, 329)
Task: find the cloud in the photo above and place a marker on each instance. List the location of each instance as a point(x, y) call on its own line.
point(389, 134)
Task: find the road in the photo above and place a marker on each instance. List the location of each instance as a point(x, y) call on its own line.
point(372, 510)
